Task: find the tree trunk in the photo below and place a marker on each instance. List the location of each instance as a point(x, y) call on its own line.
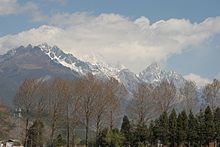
point(73, 140)
point(26, 132)
point(98, 128)
point(68, 127)
point(53, 128)
point(87, 130)
point(111, 120)
point(52, 132)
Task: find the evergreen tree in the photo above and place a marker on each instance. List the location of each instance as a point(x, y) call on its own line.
point(209, 125)
point(163, 129)
point(101, 140)
point(125, 130)
point(35, 134)
point(59, 142)
point(156, 130)
point(172, 127)
point(114, 138)
point(139, 135)
point(192, 130)
point(201, 128)
point(217, 124)
point(182, 124)
point(151, 136)
point(110, 138)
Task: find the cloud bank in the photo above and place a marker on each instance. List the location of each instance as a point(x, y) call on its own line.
point(200, 81)
point(133, 43)
point(12, 7)
point(63, 2)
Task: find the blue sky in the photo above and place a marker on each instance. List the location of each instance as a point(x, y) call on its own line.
point(194, 10)
point(182, 35)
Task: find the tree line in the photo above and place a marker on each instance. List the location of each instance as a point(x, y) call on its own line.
point(172, 129)
point(55, 112)
point(62, 106)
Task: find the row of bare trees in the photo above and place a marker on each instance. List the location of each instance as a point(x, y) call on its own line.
point(149, 101)
point(64, 105)
point(211, 94)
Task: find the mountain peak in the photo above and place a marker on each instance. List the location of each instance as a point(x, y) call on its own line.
point(45, 47)
point(155, 74)
point(45, 60)
point(152, 73)
point(90, 65)
point(154, 66)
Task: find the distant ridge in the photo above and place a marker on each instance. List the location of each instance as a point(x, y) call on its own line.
point(45, 61)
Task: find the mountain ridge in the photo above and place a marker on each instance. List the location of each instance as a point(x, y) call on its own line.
point(49, 61)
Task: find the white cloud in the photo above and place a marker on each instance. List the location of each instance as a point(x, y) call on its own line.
point(134, 43)
point(200, 81)
point(12, 7)
point(9, 7)
point(63, 2)
point(218, 76)
point(36, 14)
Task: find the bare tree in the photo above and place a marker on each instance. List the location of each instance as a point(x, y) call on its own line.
point(40, 101)
point(189, 95)
point(5, 121)
point(25, 100)
point(142, 107)
point(211, 94)
point(164, 96)
point(65, 95)
point(87, 91)
point(115, 91)
point(100, 110)
point(74, 120)
point(55, 105)
point(73, 107)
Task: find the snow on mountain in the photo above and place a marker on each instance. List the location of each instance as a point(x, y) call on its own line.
point(64, 59)
point(99, 69)
point(82, 67)
point(154, 74)
point(92, 65)
point(129, 79)
point(44, 62)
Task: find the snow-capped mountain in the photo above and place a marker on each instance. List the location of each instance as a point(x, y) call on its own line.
point(44, 61)
point(99, 69)
point(129, 79)
point(154, 74)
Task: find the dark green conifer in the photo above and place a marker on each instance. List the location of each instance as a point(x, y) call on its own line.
point(217, 125)
point(151, 135)
point(192, 130)
point(182, 124)
point(209, 125)
point(125, 130)
point(163, 129)
point(172, 127)
point(60, 142)
point(201, 128)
